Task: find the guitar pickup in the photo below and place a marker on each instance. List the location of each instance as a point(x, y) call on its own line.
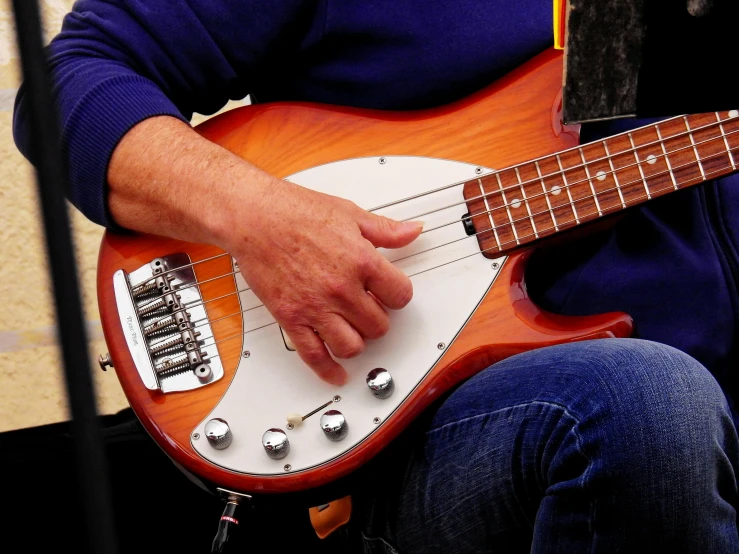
point(288, 343)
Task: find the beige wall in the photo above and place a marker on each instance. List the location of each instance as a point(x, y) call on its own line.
point(31, 381)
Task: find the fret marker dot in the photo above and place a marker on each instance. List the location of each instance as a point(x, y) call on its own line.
point(515, 203)
point(651, 159)
point(601, 175)
point(734, 113)
point(556, 190)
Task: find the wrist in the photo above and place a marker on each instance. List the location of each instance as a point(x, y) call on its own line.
point(237, 206)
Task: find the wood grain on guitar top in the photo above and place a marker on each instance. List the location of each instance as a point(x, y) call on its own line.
point(506, 123)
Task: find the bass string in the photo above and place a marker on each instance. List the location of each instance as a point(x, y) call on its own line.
point(193, 284)
point(511, 242)
point(500, 248)
point(548, 211)
point(494, 228)
point(567, 185)
point(719, 122)
point(608, 157)
point(205, 321)
point(192, 264)
point(195, 305)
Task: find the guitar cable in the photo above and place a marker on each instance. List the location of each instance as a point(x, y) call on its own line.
point(226, 524)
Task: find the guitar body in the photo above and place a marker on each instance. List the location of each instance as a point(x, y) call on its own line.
point(468, 311)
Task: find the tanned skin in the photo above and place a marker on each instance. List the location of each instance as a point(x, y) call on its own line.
point(310, 257)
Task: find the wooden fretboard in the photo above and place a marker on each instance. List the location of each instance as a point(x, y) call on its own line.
point(536, 199)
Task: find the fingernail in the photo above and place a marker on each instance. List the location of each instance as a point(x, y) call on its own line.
point(417, 223)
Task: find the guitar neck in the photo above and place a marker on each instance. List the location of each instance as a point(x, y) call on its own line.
point(539, 198)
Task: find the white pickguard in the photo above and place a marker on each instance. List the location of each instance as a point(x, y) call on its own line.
point(448, 284)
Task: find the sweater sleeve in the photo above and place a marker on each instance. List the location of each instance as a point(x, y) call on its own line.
point(118, 62)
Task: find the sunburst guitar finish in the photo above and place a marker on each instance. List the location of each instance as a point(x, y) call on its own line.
point(470, 309)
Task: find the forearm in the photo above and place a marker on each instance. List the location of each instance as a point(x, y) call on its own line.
point(164, 178)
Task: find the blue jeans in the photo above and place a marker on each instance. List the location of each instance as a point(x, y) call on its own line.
point(602, 446)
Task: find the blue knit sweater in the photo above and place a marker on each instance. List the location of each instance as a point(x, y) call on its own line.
point(672, 264)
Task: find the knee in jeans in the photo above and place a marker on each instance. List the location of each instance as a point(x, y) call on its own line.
point(655, 398)
point(654, 376)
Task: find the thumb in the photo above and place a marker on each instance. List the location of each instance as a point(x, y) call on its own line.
point(389, 233)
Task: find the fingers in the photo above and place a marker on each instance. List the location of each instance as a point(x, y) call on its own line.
point(314, 353)
point(388, 233)
point(388, 284)
point(367, 316)
point(341, 338)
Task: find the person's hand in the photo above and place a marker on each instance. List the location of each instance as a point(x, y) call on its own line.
point(311, 259)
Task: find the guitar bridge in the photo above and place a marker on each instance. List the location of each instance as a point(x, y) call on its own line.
point(166, 325)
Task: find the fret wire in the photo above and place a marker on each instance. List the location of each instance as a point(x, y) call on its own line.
point(507, 208)
point(726, 142)
point(613, 172)
point(695, 149)
point(638, 164)
point(688, 164)
point(567, 187)
point(608, 209)
point(570, 184)
point(526, 202)
point(482, 251)
point(590, 181)
point(718, 172)
point(546, 196)
point(490, 214)
point(459, 183)
point(455, 221)
point(667, 158)
point(570, 168)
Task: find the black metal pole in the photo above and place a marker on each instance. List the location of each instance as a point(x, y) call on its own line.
point(51, 173)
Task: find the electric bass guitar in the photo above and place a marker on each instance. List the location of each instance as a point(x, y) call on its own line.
point(217, 384)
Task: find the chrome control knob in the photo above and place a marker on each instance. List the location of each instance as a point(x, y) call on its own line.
point(381, 383)
point(275, 443)
point(218, 433)
point(334, 425)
